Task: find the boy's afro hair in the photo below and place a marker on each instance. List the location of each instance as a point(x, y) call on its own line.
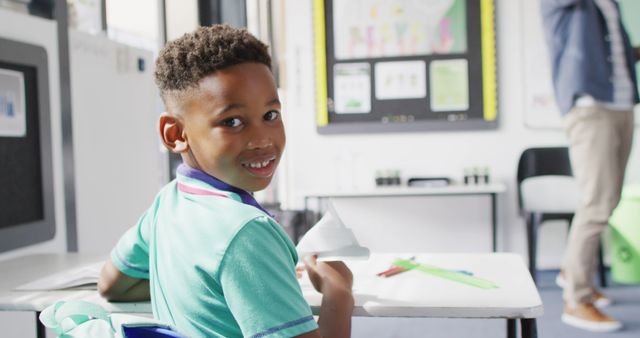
point(185, 61)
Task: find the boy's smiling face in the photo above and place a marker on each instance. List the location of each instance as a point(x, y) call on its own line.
point(233, 128)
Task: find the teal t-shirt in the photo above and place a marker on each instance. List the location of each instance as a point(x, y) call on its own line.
point(217, 267)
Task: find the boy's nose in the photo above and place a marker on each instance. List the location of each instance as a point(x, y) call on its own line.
point(259, 143)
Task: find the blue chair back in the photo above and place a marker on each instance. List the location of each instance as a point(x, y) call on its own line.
point(150, 332)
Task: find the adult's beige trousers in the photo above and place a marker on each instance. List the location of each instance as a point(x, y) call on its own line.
point(599, 145)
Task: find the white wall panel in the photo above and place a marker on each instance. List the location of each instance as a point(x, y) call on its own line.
point(119, 163)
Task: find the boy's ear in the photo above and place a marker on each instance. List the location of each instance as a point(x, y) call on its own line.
point(171, 131)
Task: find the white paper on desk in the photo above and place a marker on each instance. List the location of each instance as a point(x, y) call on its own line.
point(83, 277)
point(331, 240)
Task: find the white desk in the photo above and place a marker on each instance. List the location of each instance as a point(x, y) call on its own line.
point(21, 270)
point(489, 190)
point(416, 294)
point(409, 294)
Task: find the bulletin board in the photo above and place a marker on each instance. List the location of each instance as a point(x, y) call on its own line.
point(403, 65)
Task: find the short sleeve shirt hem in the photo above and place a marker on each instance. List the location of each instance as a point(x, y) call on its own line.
point(127, 268)
point(291, 329)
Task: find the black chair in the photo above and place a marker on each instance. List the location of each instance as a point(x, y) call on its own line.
point(547, 191)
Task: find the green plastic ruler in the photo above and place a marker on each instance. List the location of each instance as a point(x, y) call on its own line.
point(447, 274)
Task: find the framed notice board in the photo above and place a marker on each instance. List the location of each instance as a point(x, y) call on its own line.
point(403, 65)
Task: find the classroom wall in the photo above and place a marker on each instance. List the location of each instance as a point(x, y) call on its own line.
point(320, 162)
point(115, 138)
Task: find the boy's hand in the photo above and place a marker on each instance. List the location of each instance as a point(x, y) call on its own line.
point(328, 276)
point(334, 281)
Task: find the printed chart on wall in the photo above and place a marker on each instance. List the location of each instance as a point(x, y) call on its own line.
point(540, 107)
point(404, 65)
point(13, 121)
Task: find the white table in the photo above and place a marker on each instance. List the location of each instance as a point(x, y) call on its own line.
point(450, 191)
point(409, 294)
point(21, 270)
point(416, 294)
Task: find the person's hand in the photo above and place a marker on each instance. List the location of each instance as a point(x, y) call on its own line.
point(328, 276)
point(637, 53)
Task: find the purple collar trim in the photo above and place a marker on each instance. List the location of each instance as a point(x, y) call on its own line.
point(200, 175)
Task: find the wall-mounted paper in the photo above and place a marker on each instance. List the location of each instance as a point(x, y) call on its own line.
point(400, 80)
point(13, 121)
point(352, 88)
point(449, 83)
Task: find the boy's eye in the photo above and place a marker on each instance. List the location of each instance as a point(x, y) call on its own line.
point(232, 122)
point(271, 115)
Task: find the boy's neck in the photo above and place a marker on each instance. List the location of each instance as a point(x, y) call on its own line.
point(200, 175)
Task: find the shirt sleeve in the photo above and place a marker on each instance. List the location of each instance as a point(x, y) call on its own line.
point(131, 254)
point(259, 283)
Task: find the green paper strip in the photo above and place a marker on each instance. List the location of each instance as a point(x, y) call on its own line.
point(447, 274)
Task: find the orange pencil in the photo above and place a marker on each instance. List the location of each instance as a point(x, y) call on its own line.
point(394, 270)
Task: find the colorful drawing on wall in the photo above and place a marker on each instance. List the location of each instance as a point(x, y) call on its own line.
point(390, 28)
point(352, 83)
point(13, 121)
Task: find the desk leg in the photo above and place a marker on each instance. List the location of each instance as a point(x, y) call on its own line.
point(41, 332)
point(494, 221)
point(511, 328)
point(529, 328)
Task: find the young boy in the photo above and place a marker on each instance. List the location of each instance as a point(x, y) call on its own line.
point(210, 258)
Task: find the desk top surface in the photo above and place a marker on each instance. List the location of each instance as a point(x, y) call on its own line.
point(418, 294)
point(21, 270)
point(456, 189)
point(409, 294)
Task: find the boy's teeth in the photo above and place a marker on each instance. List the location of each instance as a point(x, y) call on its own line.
point(258, 164)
